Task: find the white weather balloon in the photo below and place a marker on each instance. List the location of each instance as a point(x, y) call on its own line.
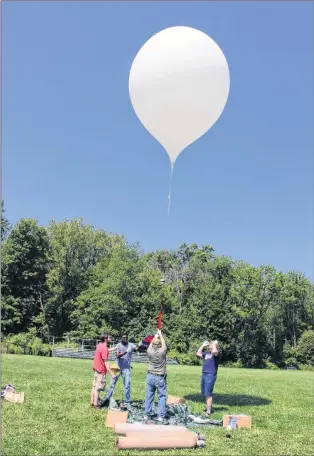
point(179, 84)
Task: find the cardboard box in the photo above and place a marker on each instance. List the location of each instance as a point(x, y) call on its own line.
point(175, 400)
point(242, 421)
point(16, 398)
point(114, 417)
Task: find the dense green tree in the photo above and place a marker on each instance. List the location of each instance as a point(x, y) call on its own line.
point(72, 279)
point(124, 295)
point(25, 264)
point(249, 301)
point(5, 225)
point(305, 348)
point(294, 296)
point(75, 249)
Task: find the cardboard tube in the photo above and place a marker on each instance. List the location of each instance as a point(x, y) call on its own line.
point(156, 443)
point(159, 434)
point(123, 428)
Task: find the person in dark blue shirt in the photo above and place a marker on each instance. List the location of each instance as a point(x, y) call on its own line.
point(209, 371)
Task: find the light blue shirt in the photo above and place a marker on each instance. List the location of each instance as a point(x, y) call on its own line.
point(125, 361)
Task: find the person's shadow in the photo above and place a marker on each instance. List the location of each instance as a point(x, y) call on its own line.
point(239, 400)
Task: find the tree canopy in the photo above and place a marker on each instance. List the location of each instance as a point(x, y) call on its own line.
point(72, 279)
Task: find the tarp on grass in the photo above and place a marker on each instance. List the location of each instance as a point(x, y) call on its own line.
point(176, 414)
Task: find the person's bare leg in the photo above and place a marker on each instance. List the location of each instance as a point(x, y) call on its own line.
point(96, 396)
point(99, 386)
point(93, 392)
point(209, 402)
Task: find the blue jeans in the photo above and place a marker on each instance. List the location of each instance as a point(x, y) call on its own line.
point(207, 384)
point(126, 377)
point(153, 383)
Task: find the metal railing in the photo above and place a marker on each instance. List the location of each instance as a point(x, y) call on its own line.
point(89, 354)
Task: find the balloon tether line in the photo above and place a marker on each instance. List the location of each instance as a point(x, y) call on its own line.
point(169, 196)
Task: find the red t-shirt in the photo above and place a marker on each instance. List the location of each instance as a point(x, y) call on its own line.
point(101, 355)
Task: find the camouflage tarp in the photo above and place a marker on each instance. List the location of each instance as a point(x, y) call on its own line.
point(176, 414)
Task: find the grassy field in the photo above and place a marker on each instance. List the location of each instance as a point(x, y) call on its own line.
point(56, 418)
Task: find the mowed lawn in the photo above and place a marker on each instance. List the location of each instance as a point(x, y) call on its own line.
point(56, 418)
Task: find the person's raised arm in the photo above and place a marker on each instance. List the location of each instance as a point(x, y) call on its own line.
point(199, 352)
point(214, 348)
point(149, 349)
point(162, 340)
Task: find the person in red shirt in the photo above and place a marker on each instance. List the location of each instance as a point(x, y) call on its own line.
point(100, 367)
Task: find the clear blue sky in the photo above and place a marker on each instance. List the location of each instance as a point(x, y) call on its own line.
point(73, 146)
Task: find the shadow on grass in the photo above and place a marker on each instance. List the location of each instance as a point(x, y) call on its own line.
point(239, 400)
point(217, 409)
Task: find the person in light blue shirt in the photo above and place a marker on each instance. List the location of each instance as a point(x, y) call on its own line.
point(124, 351)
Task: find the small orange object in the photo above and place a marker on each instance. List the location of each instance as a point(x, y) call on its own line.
point(114, 417)
point(175, 400)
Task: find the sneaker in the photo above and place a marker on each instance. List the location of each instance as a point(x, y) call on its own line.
point(105, 403)
point(161, 420)
point(200, 443)
point(125, 405)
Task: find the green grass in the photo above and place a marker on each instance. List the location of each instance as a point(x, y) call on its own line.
point(56, 418)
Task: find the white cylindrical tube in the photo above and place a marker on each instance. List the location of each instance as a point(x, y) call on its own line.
point(123, 428)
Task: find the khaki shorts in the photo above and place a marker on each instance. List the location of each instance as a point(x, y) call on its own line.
point(99, 382)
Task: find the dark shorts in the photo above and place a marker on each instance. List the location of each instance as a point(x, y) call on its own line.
point(208, 382)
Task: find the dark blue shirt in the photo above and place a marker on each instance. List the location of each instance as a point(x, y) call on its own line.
point(210, 365)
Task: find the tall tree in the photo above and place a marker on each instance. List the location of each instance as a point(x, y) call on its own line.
point(249, 298)
point(5, 225)
point(75, 250)
point(176, 266)
point(25, 264)
point(294, 299)
point(124, 295)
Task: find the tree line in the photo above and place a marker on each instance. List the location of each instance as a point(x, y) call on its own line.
point(70, 279)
